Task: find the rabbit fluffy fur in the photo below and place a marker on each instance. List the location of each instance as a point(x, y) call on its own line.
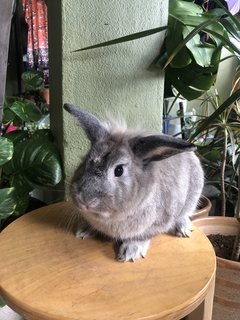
point(134, 185)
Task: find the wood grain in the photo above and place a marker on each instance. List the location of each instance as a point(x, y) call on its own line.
point(47, 273)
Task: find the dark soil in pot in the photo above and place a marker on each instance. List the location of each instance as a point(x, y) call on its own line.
point(222, 244)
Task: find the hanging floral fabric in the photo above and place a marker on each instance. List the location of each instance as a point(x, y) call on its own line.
point(37, 50)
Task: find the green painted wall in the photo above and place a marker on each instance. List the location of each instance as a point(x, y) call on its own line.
point(111, 80)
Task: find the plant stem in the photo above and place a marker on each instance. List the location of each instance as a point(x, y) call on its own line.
point(236, 246)
point(222, 174)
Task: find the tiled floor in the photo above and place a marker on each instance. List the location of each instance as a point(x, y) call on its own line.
point(8, 314)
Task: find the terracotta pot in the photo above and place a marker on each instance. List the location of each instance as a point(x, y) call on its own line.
point(206, 206)
point(45, 94)
point(227, 290)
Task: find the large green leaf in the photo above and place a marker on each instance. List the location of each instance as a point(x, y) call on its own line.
point(188, 14)
point(7, 202)
point(197, 76)
point(35, 163)
point(188, 92)
point(173, 38)
point(19, 110)
point(185, 41)
point(17, 136)
point(26, 110)
point(192, 81)
point(202, 52)
point(6, 150)
point(179, 8)
point(8, 116)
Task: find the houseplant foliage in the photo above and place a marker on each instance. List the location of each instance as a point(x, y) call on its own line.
point(190, 54)
point(29, 158)
point(219, 147)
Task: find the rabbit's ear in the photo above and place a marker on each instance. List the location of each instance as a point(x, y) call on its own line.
point(93, 127)
point(158, 147)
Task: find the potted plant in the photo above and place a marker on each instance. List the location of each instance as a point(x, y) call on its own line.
point(29, 158)
point(220, 136)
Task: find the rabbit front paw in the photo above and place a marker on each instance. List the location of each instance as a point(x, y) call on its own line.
point(131, 251)
point(84, 231)
point(183, 228)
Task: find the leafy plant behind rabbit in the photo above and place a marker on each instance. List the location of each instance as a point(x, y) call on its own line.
point(134, 185)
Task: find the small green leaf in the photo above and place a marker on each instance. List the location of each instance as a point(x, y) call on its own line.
point(7, 202)
point(33, 79)
point(6, 150)
point(33, 112)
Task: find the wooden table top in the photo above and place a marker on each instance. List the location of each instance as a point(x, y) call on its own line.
point(47, 273)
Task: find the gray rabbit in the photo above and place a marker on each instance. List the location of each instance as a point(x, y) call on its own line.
point(134, 185)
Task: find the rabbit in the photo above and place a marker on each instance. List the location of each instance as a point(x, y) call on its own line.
point(134, 185)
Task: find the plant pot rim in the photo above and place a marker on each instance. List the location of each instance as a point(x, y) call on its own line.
point(219, 220)
point(206, 203)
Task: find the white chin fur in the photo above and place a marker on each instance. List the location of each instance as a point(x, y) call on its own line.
point(95, 214)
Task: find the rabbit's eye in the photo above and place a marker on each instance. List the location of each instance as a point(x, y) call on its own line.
point(118, 171)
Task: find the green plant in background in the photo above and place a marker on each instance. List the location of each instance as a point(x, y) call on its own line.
point(190, 54)
point(218, 140)
point(217, 137)
point(29, 158)
point(33, 81)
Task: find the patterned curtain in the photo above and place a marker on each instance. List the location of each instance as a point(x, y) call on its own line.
point(37, 50)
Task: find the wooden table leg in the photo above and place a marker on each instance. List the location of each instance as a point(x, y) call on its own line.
point(204, 310)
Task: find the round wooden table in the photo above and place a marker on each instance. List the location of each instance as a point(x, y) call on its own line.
point(47, 273)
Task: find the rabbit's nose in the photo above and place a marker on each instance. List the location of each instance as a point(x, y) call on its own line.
point(86, 202)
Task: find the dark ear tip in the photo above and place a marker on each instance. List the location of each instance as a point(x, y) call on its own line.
point(67, 107)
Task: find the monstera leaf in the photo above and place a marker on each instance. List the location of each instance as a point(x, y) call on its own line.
point(190, 60)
